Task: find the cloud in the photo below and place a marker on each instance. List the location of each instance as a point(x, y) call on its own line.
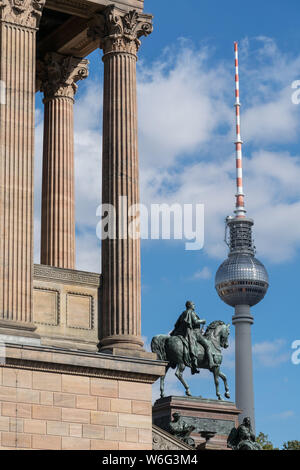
point(229, 355)
point(285, 414)
point(178, 99)
point(270, 353)
point(186, 134)
point(204, 274)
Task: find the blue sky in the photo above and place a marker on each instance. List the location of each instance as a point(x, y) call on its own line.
point(186, 134)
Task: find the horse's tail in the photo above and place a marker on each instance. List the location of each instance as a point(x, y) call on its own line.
point(158, 346)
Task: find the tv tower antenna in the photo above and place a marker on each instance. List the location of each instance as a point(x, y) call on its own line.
point(241, 280)
point(240, 203)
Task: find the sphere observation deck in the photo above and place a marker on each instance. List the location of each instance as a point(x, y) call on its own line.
point(241, 279)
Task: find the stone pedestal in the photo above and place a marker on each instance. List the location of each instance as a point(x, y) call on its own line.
point(205, 414)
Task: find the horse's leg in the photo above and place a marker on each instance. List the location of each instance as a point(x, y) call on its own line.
point(178, 373)
point(216, 371)
point(224, 378)
point(162, 383)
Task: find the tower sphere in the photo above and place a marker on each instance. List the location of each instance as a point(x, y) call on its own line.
point(241, 280)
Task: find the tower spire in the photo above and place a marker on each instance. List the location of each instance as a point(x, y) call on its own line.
point(240, 204)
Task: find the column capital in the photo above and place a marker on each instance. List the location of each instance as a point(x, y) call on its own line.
point(119, 31)
point(22, 12)
point(57, 75)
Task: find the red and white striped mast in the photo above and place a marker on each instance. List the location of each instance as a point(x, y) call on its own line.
point(240, 204)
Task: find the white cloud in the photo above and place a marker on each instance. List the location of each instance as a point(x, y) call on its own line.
point(186, 122)
point(229, 355)
point(204, 274)
point(270, 353)
point(285, 414)
point(181, 104)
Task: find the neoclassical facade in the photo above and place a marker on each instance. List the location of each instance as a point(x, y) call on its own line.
point(73, 372)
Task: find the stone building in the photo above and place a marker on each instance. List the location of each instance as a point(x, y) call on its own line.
point(74, 374)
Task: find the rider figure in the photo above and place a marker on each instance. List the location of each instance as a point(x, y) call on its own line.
point(186, 323)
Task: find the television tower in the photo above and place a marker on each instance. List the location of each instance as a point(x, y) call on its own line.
point(241, 280)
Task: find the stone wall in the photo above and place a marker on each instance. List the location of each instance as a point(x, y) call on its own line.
point(72, 406)
point(65, 307)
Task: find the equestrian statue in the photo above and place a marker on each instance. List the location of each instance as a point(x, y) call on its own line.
point(189, 346)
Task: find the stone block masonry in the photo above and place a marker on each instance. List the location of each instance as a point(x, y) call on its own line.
point(64, 405)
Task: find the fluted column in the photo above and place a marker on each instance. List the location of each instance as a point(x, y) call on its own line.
point(118, 34)
point(57, 76)
point(18, 24)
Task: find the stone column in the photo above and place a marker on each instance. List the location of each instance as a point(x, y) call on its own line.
point(57, 76)
point(244, 393)
point(118, 33)
point(19, 21)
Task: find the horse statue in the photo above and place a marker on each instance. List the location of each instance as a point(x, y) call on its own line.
point(172, 350)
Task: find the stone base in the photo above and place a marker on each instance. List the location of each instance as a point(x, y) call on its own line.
point(69, 343)
point(18, 339)
point(18, 333)
point(141, 353)
point(125, 342)
point(60, 399)
point(205, 414)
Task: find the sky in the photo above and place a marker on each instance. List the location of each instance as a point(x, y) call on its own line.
point(186, 132)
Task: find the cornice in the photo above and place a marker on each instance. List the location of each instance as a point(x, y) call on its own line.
point(75, 362)
point(42, 272)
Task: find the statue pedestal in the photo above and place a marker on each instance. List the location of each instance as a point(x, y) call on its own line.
point(205, 414)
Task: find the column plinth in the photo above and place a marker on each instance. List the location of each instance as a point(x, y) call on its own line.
point(118, 34)
point(18, 24)
point(57, 75)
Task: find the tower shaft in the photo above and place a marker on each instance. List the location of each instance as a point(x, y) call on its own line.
point(244, 394)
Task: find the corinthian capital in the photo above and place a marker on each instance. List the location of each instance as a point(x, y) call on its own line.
point(22, 12)
point(57, 75)
point(119, 31)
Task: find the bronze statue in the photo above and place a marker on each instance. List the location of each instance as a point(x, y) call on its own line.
point(189, 346)
point(181, 429)
point(243, 438)
point(186, 323)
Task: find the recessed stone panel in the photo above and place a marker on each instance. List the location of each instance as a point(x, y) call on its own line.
point(79, 311)
point(46, 306)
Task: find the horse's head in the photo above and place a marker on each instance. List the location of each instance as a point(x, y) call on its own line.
point(218, 331)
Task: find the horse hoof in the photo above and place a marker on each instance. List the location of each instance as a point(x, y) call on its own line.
point(219, 397)
point(188, 393)
point(227, 395)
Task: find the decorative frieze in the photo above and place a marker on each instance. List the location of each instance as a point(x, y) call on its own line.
point(66, 276)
